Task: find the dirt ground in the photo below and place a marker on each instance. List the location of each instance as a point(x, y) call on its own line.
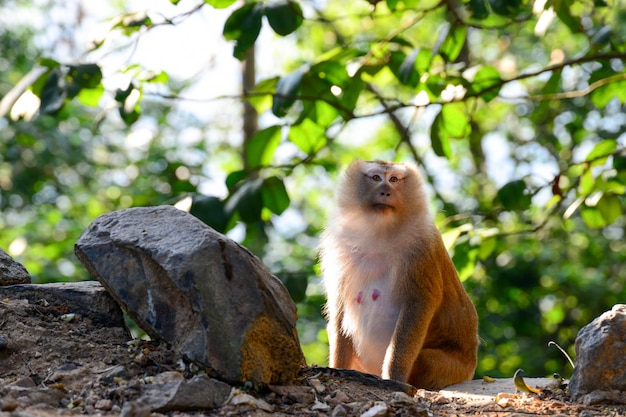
point(53, 362)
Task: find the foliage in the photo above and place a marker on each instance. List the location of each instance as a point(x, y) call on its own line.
point(513, 109)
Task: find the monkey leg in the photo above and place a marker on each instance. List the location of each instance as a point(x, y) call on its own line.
point(341, 349)
point(437, 368)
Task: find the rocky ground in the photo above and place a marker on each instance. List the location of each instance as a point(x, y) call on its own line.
point(56, 362)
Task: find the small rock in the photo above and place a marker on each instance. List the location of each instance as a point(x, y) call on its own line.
point(600, 359)
point(320, 406)
point(36, 395)
point(241, 398)
point(379, 409)
point(317, 385)
point(208, 297)
point(12, 272)
point(603, 397)
point(24, 382)
point(198, 393)
point(3, 341)
point(337, 398)
point(68, 373)
point(169, 376)
point(340, 410)
point(103, 404)
point(399, 398)
point(8, 404)
point(135, 409)
point(109, 375)
point(299, 394)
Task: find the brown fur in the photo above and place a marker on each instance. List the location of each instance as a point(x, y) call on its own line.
point(396, 307)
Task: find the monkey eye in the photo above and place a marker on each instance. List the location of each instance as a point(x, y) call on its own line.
point(393, 178)
point(376, 177)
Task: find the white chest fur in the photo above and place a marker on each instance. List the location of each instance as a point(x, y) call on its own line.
point(370, 310)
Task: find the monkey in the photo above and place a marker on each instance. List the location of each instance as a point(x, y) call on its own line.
point(395, 306)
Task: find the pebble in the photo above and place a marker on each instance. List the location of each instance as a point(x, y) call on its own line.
point(104, 404)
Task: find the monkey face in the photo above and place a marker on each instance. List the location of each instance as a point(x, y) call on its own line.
point(382, 185)
point(372, 192)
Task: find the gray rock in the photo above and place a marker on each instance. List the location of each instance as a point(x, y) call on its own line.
point(87, 298)
point(198, 393)
point(186, 284)
point(600, 356)
point(12, 272)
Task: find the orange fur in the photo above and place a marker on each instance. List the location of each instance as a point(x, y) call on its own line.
point(395, 305)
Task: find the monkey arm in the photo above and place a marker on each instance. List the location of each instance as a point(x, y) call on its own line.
point(421, 297)
point(407, 342)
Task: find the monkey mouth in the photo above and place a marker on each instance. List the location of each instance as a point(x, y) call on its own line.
point(382, 207)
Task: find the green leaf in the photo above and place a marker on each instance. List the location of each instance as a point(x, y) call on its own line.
point(284, 17)
point(82, 76)
point(324, 113)
point(505, 7)
point(308, 136)
point(601, 151)
point(464, 260)
point(451, 122)
point(274, 195)
point(487, 247)
point(243, 26)
point(247, 201)
point(619, 163)
point(610, 208)
point(487, 83)
point(409, 68)
point(592, 217)
point(234, 177)
point(587, 183)
point(286, 91)
point(129, 108)
point(603, 95)
point(262, 94)
point(455, 119)
point(351, 91)
point(219, 4)
point(439, 138)
point(392, 4)
point(48, 63)
point(407, 74)
point(210, 210)
point(53, 93)
point(122, 95)
point(260, 150)
point(566, 16)
point(453, 42)
point(160, 77)
point(91, 96)
point(513, 196)
point(130, 115)
point(479, 9)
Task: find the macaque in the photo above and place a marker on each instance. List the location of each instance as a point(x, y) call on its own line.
point(395, 306)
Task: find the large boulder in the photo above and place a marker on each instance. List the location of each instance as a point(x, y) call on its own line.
point(202, 293)
point(12, 272)
point(600, 372)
